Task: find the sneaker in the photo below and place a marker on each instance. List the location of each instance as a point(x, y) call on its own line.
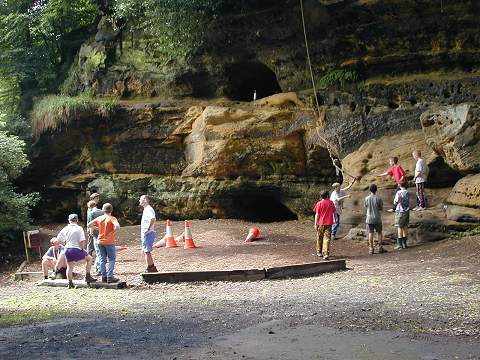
point(112, 279)
point(416, 208)
point(420, 209)
point(390, 210)
point(104, 279)
point(319, 254)
point(151, 269)
point(89, 279)
point(371, 251)
point(381, 250)
point(71, 286)
point(325, 257)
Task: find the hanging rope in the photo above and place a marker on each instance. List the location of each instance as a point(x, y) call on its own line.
point(335, 161)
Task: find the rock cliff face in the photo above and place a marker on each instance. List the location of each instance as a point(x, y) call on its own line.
point(186, 133)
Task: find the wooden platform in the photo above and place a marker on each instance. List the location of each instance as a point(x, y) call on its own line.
point(289, 271)
point(83, 284)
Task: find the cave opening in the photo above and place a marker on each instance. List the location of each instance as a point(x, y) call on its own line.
point(261, 208)
point(248, 77)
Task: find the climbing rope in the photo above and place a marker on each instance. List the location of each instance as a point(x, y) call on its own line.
point(335, 161)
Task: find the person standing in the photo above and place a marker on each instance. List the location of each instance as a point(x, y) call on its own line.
point(338, 196)
point(324, 219)
point(397, 172)
point(402, 215)
point(73, 237)
point(420, 178)
point(147, 232)
point(374, 207)
point(107, 226)
point(92, 246)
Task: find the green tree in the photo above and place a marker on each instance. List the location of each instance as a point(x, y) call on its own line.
point(14, 207)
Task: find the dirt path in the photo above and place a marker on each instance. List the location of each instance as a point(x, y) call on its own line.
point(421, 303)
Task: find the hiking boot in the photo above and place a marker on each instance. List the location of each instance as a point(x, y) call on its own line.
point(70, 285)
point(404, 243)
point(151, 269)
point(89, 279)
point(381, 250)
point(112, 279)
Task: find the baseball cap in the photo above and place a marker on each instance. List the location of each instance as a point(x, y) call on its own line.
point(72, 217)
point(94, 195)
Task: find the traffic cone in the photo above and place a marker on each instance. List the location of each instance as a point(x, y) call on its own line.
point(120, 248)
point(253, 233)
point(189, 244)
point(170, 242)
point(180, 237)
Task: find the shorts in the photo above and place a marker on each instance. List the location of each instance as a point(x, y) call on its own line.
point(147, 241)
point(371, 228)
point(92, 239)
point(402, 219)
point(74, 254)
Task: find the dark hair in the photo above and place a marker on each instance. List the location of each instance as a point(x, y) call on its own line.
point(373, 188)
point(404, 183)
point(395, 159)
point(324, 194)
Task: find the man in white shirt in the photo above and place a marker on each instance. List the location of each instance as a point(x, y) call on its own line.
point(338, 197)
point(73, 237)
point(147, 232)
point(420, 177)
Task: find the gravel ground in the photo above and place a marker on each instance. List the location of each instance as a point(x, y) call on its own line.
point(420, 303)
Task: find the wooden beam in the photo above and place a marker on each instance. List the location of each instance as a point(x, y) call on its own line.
point(279, 272)
point(298, 270)
point(83, 284)
point(191, 276)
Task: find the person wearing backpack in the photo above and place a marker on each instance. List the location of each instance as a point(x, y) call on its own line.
point(402, 215)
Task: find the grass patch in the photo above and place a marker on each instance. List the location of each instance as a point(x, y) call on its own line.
point(56, 111)
point(29, 316)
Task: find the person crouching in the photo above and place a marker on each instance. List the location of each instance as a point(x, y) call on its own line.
point(75, 243)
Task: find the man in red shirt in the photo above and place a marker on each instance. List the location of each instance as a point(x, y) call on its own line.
point(107, 226)
point(397, 172)
point(324, 219)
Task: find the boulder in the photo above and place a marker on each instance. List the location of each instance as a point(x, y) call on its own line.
point(454, 133)
point(463, 203)
point(228, 142)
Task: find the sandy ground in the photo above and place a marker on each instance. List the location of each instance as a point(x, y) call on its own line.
point(419, 303)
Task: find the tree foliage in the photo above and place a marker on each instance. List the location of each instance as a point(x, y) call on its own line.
point(14, 207)
point(34, 41)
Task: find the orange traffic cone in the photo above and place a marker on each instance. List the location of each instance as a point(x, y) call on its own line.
point(180, 237)
point(253, 233)
point(189, 244)
point(120, 248)
point(170, 240)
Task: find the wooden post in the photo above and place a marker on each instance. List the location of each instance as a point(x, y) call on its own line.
point(25, 243)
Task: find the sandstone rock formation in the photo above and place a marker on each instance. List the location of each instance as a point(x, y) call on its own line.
point(454, 133)
point(463, 203)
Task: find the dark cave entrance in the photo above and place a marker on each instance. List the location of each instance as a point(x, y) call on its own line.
point(247, 77)
point(260, 208)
